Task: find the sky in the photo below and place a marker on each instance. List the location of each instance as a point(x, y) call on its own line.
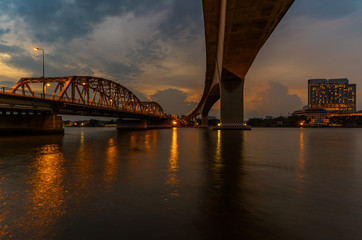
point(156, 48)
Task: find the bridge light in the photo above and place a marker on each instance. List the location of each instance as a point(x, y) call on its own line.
point(111, 100)
point(35, 49)
point(48, 84)
point(83, 83)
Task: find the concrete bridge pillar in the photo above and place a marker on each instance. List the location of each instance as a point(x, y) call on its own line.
point(231, 100)
point(26, 124)
point(161, 123)
point(131, 124)
point(204, 121)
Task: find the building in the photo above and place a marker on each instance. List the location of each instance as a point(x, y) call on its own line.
point(332, 94)
point(321, 117)
point(314, 116)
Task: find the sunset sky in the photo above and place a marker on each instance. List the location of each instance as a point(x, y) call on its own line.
point(156, 48)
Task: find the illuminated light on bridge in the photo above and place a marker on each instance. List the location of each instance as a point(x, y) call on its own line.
point(41, 49)
point(235, 31)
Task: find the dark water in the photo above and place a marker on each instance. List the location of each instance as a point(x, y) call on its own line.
point(182, 184)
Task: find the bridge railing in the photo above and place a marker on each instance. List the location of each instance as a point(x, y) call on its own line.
point(4, 89)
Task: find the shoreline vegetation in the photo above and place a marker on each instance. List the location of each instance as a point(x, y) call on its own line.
point(90, 123)
point(303, 121)
point(277, 122)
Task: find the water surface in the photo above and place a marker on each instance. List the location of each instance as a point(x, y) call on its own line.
point(97, 183)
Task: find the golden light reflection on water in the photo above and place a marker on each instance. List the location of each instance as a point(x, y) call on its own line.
point(218, 165)
point(173, 164)
point(82, 138)
point(142, 144)
point(301, 159)
point(111, 164)
point(47, 197)
point(83, 164)
point(148, 142)
point(3, 214)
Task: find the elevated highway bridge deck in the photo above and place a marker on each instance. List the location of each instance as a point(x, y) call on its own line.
point(235, 31)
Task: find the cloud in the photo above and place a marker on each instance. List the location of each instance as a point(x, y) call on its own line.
point(324, 9)
point(274, 101)
point(4, 31)
point(55, 21)
point(305, 47)
point(140, 44)
point(9, 49)
point(173, 101)
point(7, 83)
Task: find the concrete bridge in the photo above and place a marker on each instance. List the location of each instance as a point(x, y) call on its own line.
point(33, 104)
point(235, 31)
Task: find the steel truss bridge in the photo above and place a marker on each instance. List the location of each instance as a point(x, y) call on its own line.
point(77, 95)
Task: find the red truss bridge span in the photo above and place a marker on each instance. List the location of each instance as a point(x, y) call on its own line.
point(77, 95)
point(33, 105)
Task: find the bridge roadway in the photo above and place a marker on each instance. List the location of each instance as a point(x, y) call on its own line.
point(235, 31)
point(74, 95)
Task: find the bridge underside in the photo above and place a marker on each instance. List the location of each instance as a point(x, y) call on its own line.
point(235, 32)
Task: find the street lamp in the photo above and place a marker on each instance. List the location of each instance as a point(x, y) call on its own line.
point(37, 49)
point(44, 87)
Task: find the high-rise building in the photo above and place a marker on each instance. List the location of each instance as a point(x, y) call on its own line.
point(332, 94)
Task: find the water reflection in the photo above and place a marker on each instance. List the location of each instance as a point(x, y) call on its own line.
point(217, 162)
point(301, 161)
point(111, 166)
point(83, 162)
point(141, 142)
point(228, 187)
point(221, 205)
point(173, 165)
point(47, 196)
point(3, 215)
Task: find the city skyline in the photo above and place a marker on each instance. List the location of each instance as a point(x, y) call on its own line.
point(157, 49)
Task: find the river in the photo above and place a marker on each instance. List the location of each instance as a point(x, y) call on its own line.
point(267, 183)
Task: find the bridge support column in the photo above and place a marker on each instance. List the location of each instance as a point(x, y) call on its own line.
point(231, 101)
point(131, 124)
point(204, 121)
point(19, 124)
point(195, 121)
point(162, 123)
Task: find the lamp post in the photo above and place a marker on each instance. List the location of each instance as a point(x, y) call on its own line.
point(37, 49)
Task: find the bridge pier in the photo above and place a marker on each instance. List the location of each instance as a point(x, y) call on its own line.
point(162, 123)
point(131, 124)
point(19, 123)
point(204, 121)
point(231, 101)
